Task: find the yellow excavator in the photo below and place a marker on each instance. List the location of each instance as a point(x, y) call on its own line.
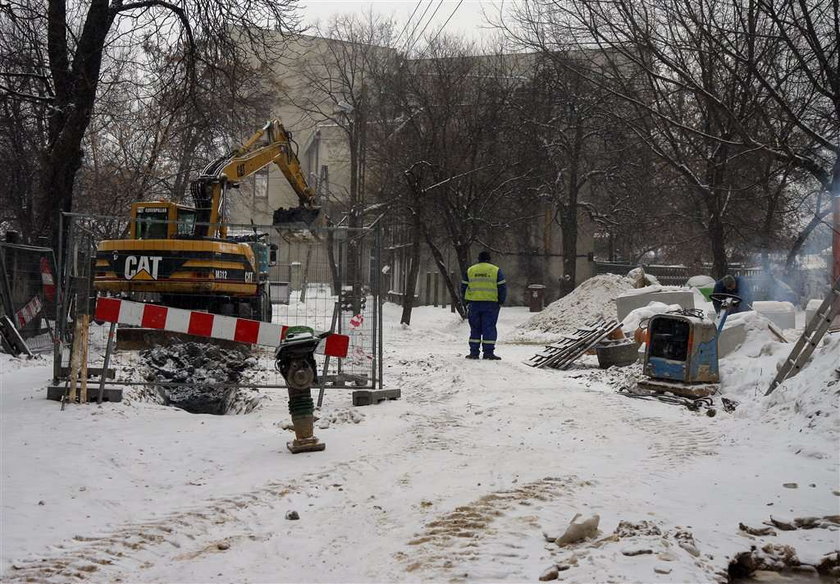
point(183, 257)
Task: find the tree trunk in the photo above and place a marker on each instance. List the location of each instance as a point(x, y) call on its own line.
point(803, 235)
point(75, 86)
point(454, 293)
point(568, 234)
point(717, 241)
point(413, 271)
point(336, 277)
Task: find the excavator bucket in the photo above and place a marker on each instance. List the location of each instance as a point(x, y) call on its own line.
point(296, 217)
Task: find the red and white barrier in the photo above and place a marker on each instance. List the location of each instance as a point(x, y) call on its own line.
point(47, 280)
point(28, 312)
point(204, 324)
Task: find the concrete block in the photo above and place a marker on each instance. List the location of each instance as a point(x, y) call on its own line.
point(109, 394)
point(367, 397)
point(630, 301)
point(782, 314)
point(730, 338)
point(811, 309)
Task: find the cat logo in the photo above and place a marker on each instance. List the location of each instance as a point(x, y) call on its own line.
point(142, 267)
point(240, 170)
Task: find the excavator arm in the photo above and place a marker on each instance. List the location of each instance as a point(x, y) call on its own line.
point(270, 144)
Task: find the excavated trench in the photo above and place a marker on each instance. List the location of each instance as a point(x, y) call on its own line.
point(201, 378)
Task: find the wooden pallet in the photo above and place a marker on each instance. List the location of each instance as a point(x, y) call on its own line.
point(563, 353)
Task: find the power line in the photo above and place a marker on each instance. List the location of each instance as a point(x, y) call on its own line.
point(412, 39)
point(440, 30)
point(405, 26)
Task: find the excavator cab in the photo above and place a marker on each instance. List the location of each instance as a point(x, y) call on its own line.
point(160, 220)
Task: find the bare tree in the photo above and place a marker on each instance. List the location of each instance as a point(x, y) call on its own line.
point(67, 48)
point(716, 82)
point(577, 148)
point(454, 137)
point(340, 71)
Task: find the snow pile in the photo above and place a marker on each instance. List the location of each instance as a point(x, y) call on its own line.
point(340, 416)
point(807, 402)
point(593, 299)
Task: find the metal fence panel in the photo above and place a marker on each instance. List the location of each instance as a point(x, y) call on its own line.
point(311, 284)
point(29, 292)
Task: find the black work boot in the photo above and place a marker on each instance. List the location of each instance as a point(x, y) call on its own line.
point(472, 356)
point(492, 357)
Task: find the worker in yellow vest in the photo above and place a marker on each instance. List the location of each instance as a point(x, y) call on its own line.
point(484, 290)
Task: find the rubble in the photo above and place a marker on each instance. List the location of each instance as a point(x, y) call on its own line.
point(211, 375)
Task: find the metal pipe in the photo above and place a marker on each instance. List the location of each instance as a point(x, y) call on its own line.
point(108, 347)
point(836, 238)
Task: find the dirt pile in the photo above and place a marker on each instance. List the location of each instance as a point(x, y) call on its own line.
point(593, 299)
point(211, 376)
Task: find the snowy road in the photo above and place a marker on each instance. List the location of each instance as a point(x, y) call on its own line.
point(456, 481)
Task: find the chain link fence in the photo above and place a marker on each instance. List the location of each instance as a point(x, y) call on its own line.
point(325, 278)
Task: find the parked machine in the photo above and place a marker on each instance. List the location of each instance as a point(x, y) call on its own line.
point(183, 256)
point(295, 360)
point(681, 355)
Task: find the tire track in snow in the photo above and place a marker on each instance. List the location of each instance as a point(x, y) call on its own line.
point(483, 534)
point(673, 441)
point(123, 550)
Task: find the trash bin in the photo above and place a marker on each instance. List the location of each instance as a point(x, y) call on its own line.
point(536, 297)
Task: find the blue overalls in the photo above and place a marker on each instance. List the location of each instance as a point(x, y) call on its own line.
point(485, 290)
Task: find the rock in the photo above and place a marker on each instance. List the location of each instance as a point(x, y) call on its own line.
point(292, 515)
point(549, 574)
point(805, 569)
point(666, 556)
point(223, 545)
point(807, 522)
point(829, 564)
point(756, 530)
point(579, 530)
point(782, 524)
point(686, 541)
point(636, 551)
point(790, 485)
point(661, 569)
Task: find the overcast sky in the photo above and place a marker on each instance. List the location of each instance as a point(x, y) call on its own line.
point(466, 20)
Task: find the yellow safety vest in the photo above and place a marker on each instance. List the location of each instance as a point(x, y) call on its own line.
point(481, 283)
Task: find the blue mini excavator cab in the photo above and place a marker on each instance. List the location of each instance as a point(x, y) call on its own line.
point(681, 355)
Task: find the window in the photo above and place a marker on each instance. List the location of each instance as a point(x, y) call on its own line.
point(151, 223)
point(186, 221)
point(261, 184)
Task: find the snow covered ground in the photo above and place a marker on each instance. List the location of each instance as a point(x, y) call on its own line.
point(465, 478)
